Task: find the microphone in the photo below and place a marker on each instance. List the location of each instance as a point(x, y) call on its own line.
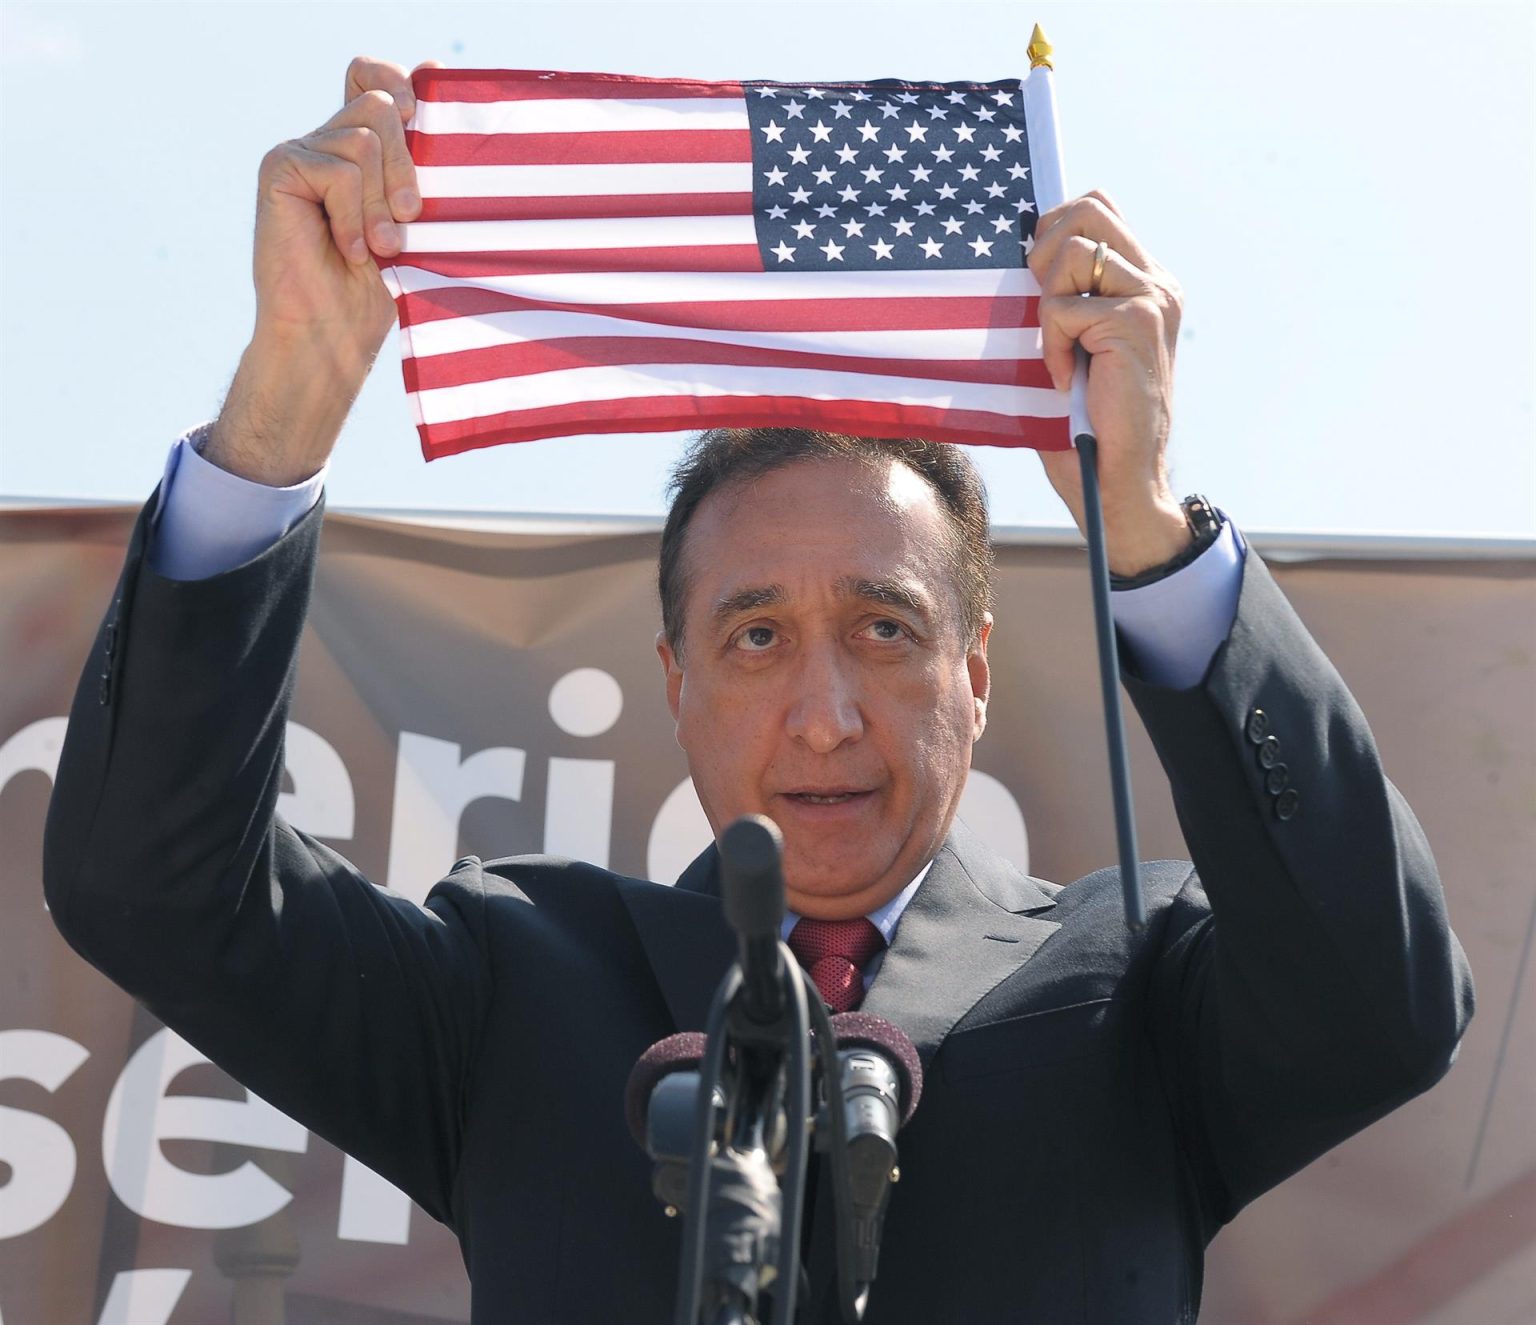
point(882, 1080)
point(752, 892)
point(660, 1099)
point(676, 1056)
point(856, 1031)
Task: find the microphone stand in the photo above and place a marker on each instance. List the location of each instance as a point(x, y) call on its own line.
point(735, 1217)
point(757, 1058)
point(719, 1201)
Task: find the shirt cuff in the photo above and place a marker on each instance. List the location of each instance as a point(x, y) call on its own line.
point(1172, 628)
point(209, 521)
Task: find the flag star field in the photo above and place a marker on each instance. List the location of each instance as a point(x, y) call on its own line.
point(890, 176)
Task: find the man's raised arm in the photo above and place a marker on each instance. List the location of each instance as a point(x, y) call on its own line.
point(1309, 979)
point(327, 205)
point(165, 863)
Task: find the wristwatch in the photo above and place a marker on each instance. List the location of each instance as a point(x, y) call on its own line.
point(1205, 524)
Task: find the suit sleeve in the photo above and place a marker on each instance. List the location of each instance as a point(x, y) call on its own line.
point(1310, 981)
point(166, 866)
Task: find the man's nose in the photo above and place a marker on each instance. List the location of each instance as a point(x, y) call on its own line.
point(826, 709)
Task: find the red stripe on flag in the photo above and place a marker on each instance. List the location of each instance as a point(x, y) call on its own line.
point(686, 413)
point(574, 281)
point(567, 261)
point(572, 208)
point(895, 314)
point(521, 360)
point(625, 147)
point(484, 85)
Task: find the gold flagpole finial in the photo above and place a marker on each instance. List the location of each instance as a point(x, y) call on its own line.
point(1039, 50)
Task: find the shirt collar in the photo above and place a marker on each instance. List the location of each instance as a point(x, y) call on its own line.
point(884, 918)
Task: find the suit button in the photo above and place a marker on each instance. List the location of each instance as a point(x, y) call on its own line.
point(104, 689)
point(1275, 780)
point(1258, 726)
point(1286, 804)
point(111, 643)
point(1269, 752)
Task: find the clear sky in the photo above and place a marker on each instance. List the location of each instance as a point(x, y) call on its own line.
point(1344, 190)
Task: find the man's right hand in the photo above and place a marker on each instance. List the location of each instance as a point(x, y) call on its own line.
point(327, 205)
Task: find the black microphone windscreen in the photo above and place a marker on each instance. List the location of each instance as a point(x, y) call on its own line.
point(861, 1030)
point(677, 1053)
point(751, 877)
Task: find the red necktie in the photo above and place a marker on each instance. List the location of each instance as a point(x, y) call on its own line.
point(834, 952)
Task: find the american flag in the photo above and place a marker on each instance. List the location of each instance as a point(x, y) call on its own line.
point(599, 253)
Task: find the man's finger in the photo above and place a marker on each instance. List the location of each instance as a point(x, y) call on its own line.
point(1140, 324)
point(365, 74)
point(1054, 214)
point(425, 67)
point(1072, 271)
point(1099, 196)
point(360, 147)
point(1064, 282)
point(377, 112)
point(319, 177)
point(1092, 217)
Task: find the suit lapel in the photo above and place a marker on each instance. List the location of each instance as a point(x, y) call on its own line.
point(961, 935)
point(685, 937)
point(973, 922)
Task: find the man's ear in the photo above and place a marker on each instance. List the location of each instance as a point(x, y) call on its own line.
point(981, 673)
point(672, 670)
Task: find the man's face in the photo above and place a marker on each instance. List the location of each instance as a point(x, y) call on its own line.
point(826, 680)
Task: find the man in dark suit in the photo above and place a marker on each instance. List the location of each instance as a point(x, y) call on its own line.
point(1096, 1104)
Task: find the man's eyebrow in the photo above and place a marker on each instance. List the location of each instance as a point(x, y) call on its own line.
point(748, 600)
point(889, 593)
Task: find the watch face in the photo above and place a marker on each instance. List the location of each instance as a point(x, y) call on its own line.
point(1204, 520)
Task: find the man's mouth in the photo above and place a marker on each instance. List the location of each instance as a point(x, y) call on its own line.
point(823, 797)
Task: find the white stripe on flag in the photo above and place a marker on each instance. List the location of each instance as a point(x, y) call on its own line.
point(589, 232)
point(579, 116)
point(584, 180)
point(675, 287)
point(454, 335)
point(575, 386)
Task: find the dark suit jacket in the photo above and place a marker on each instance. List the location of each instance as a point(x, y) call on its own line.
point(1095, 1105)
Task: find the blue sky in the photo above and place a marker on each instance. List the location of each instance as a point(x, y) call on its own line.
point(1344, 190)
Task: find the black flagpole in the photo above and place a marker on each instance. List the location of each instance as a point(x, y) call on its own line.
point(1050, 190)
point(1109, 681)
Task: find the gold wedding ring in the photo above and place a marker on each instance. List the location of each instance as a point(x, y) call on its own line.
point(1097, 279)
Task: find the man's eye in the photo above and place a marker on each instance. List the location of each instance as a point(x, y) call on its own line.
point(887, 630)
point(754, 639)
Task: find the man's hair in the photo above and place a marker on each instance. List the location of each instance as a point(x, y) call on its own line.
point(724, 456)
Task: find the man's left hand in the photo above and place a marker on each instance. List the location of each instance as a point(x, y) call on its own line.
point(1129, 326)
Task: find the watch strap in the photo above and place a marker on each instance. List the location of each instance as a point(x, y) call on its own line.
point(1205, 524)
